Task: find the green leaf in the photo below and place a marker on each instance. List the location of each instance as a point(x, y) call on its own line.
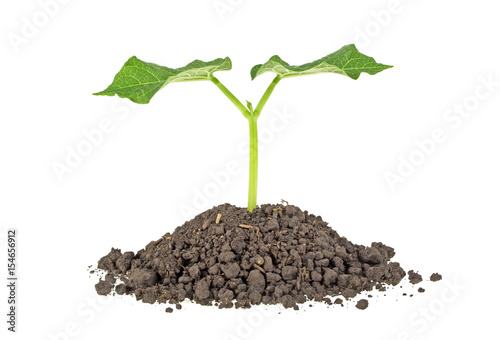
point(347, 61)
point(139, 81)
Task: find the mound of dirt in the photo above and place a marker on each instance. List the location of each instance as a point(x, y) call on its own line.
point(230, 257)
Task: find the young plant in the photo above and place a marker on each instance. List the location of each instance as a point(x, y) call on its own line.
point(139, 81)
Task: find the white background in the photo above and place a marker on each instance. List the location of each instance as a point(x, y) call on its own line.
point(330, 156)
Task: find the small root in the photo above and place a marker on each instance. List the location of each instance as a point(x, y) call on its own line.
point(245, 226)
point(205, 224)
point(257, 233)
point(256, 266)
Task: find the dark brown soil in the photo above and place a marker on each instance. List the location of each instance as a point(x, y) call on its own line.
point(414, 277)
point(436, 277)
point(276, 255)
point(362, 304)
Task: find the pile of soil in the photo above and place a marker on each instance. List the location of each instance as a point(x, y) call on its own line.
point(232, 258)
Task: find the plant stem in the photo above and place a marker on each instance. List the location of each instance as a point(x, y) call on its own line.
point(254, 145)
point(252, 116)
point(231, 97)
point(254, 164)
point(266, 96)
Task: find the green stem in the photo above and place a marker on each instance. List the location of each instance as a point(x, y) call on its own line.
point(231, 97)
point(254, 164)
point(254, 145)
point(252, 116)
point(266, 96)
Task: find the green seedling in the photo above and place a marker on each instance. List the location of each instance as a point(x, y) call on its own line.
point(139, 81)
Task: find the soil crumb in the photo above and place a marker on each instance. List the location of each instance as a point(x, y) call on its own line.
point(436, 277)
point(362, 304)
point(414, 277)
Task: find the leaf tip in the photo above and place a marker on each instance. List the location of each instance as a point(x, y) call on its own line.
point(100, 93)
point(254, 71)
